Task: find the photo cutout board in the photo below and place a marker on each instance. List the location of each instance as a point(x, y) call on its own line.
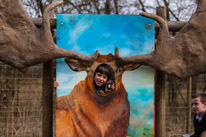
point(84, 105)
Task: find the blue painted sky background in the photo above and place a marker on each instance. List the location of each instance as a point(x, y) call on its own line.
point(87, 33)
point(134, 35)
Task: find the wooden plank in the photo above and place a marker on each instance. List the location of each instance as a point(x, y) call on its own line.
point(160, 93)
point(38, 22)
point(172, 25)
point(189, 119)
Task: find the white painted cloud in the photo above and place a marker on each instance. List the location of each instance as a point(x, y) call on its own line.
point(142, 76)
point(69, 80)
point(125, 51)
point(77, 31)
point(106, 35)
point(104, 50)
point(77, 48)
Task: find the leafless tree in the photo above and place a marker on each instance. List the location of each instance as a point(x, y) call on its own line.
point(176, 9)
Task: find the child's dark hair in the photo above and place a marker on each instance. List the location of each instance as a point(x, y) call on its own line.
point(105, 69)
point(201, 95)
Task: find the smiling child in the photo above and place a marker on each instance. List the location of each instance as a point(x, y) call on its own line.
point(103, 79)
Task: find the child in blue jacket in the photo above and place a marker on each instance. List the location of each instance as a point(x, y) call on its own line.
point(199, 108)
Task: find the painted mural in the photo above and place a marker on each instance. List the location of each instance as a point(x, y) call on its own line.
point(133, 109)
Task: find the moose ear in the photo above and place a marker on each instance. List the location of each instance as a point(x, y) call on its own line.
point(130, 67)
point(75, 65)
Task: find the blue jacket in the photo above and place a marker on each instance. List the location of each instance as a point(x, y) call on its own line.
point(199, 126)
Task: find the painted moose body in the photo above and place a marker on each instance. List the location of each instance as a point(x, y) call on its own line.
point(84, 113)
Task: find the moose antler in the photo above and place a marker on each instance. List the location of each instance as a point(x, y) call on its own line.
point(182, 56)
point(22, 44)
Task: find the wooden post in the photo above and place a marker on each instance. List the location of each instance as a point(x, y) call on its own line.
point(188, 123)
point(160, 100)
point(47, 99)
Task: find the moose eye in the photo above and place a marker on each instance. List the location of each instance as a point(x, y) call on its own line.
point(120, 69)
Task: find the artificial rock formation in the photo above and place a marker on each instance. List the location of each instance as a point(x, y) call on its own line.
point(22, 44)
point(183, 55)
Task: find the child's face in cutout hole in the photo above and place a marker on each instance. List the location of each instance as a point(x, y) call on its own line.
point(100, 79)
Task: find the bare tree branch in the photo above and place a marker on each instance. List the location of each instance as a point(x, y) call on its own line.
point(173, 14)
point(167, 9)
point(107, 7)
point(40, 5)
point(95, 2)
point(116, 6)
point(142, 5)
point(68, 1)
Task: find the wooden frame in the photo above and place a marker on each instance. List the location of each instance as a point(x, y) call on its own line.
point(47, 94)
